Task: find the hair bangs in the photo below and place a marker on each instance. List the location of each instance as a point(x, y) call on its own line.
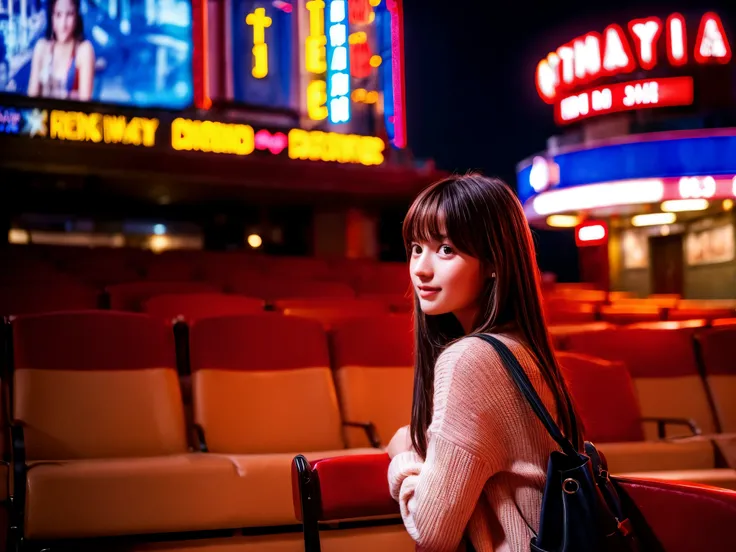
point(437, 216)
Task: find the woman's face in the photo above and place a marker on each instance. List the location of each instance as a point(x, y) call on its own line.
point(64, 19)
point(445, 280)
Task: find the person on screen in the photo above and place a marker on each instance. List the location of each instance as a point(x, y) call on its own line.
point(471, 468)
point(63, 63)
point(4, 74)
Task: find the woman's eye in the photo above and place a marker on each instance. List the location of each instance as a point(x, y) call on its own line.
point(416, 249)
point(447, 250)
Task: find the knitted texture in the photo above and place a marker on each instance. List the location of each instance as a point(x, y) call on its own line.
point(486, 463)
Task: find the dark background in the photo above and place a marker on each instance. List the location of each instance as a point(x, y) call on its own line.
point(471, 98)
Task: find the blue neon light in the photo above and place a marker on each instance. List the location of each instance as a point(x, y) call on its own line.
point(338, 62)
point(669, 157)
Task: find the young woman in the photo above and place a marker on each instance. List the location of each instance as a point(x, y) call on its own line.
point(63, 64)
point(472, 465)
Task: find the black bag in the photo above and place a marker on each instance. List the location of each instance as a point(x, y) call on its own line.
point(581, 509)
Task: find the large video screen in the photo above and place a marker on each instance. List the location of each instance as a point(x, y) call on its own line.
point(130, 52)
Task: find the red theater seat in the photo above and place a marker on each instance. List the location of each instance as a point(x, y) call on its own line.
point(262, 392)
point(171, 268)
point(191, 306)
point(374, 371)
point(630, 314)
point(331, 315)
point(570, 313)
point(606, 401)
point(131, 296)
point(560, 333)
point(718, 353)
point(605, 398)
point(355, 487)
point(665, 371)
point(97, 400)
point(299, 268)
point(273, 289)
point(37, 298)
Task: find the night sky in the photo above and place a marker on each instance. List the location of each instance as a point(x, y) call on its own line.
point(471, 98)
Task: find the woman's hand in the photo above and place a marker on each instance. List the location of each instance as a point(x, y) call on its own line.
point(400, 442)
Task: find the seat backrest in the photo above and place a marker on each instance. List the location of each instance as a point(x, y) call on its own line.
point(561, 332)
point(96, 384)
point(374, 371)
point(655, 505)
point(262, 383)
point(330, 316)
point(192, 306)
point(631, 314)
point(604, 396)
point(664, 367)
point(718, 354)
point(37, 298)
point(131, 295)
point(273, 288)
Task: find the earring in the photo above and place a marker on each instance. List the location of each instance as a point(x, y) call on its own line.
point(493, 274)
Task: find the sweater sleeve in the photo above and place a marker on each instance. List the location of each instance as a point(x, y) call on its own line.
point(437, 496)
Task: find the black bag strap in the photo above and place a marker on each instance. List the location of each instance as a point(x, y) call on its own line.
point(527, 389)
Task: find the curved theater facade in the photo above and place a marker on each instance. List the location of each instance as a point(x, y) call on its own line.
point(644, 165)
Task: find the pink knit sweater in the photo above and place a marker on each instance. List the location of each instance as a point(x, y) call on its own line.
point(486, 459)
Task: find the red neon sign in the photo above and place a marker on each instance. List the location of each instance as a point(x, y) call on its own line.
point(359, 12)
point(591, 233)
point(594, 55)
point(624, 96)
point(396, 9)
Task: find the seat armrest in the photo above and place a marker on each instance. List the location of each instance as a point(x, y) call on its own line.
point(370, 432)
point(199, 441)
point(662, 424)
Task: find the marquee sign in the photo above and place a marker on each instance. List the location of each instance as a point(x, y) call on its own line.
point(186, 135)
point(562, 76)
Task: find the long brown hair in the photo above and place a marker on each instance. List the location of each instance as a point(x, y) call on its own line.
point(482, 217)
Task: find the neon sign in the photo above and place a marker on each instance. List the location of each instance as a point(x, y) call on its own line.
point(275, 143)
point(360, 55)
point(316, 60)
point(396, 9)
point(594, 55)
point(694, 187)
point(239, 139)
point(96, 127)
point(668, 92)
point(359, 12)
point(331, 146)
point(338, 62)
point(638, 191)
point(210, 136)
point(591, 233)
point(10, 121)
point(260, 22)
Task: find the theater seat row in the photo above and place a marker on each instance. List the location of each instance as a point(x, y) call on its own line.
point(680, 370)
point(95, 397)
point(677, 372)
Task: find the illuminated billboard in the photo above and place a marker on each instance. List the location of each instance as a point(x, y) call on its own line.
point(566, 77)
point(262, 50)
point(126, 52)
point(171, 132)
point(336, 65)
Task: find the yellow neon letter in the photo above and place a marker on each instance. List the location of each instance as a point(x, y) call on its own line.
point(317, 100)
point(260, 22)
point(316, 42)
